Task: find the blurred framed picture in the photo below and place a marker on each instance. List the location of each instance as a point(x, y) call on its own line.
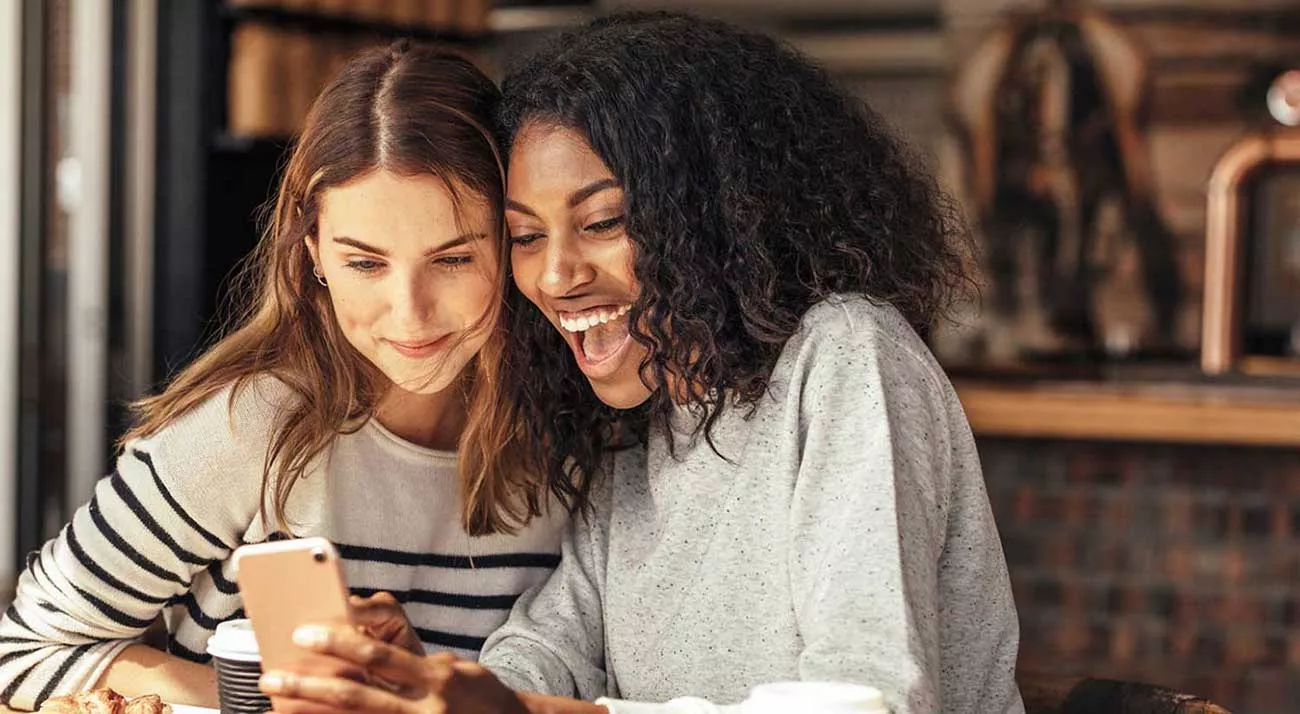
point(1272, 321)
point(1252, 279)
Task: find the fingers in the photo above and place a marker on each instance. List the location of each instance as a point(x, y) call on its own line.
point(393, 663)
point(281, 705)
point(380, 601)
point(449, 685)
point(322, 665)
point(308, 694)
point(382, 617)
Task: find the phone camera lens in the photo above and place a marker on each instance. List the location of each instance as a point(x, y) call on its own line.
point(318, 555)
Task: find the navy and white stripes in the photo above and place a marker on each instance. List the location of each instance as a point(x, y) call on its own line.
point(156, 539)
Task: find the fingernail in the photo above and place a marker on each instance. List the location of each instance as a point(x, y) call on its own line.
point(311, 636)
point(271, 682)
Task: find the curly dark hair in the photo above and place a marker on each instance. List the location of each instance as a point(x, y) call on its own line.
point(754, 189)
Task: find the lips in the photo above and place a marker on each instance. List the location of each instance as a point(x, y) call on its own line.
point(419, 348)
point(598, 335)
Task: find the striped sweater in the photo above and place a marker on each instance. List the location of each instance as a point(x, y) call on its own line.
point(158, 535)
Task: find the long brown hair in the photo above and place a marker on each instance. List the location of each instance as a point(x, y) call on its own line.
point(409, 109)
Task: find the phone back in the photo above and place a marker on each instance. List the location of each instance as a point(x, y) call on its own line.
point(286, 584)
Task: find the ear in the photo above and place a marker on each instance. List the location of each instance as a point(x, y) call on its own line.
point(313, 249)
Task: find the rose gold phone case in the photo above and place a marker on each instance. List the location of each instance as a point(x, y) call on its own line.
point(286, 584)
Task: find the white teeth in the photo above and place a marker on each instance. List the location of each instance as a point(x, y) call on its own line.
point(586, 321)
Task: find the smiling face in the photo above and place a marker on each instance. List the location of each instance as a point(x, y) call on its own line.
point(571, 255)
point(408, 281)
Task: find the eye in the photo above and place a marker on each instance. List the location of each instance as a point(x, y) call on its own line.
point(606, 225)
point(364, 265)
point(525, 239)
point(454, 261)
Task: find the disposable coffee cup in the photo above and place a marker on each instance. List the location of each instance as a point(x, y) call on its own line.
point(239, 665)
point(815, 698)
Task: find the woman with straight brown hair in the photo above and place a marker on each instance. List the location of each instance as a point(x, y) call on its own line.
point(345, 403)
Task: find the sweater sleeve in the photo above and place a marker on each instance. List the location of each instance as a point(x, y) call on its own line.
point(176, 503)
point(868, 516)
point(553, 641)
point(896, 567)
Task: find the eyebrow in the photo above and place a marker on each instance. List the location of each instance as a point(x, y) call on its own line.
point(453, 243)
point(575, 198)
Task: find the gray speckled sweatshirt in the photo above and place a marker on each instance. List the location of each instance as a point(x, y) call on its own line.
point(846, 537)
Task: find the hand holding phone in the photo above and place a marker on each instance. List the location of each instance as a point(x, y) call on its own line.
point(381, 616)
point(286, 584)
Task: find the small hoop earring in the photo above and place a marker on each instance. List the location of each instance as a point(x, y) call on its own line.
point(319, 278)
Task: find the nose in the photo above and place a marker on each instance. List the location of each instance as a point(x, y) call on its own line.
point(411, 302)
point(566, 269)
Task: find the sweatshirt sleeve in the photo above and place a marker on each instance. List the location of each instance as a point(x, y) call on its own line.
point(176, 503)
point(868, 516)
point(553, 641)
point(896, 567)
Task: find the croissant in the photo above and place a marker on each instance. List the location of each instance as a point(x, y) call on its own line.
point(104, 701)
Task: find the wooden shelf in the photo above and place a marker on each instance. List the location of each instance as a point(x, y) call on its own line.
point(1142, 412)
point(340, 25)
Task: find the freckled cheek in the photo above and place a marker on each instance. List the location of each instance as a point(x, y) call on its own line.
point(358, 318)
point(468, 302)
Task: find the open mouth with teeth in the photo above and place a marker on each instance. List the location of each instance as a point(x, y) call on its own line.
point(598, 336)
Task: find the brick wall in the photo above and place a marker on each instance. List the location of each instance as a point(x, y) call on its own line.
point(1176, 565)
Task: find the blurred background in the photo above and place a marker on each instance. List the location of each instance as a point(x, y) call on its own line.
point(1130, 167)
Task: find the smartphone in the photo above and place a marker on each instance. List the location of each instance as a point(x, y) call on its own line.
point(286, 584)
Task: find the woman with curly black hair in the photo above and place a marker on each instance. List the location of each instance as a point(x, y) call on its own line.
point(730, 266)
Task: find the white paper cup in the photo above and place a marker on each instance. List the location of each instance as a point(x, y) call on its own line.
point(815, 698)
point(239, 665)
